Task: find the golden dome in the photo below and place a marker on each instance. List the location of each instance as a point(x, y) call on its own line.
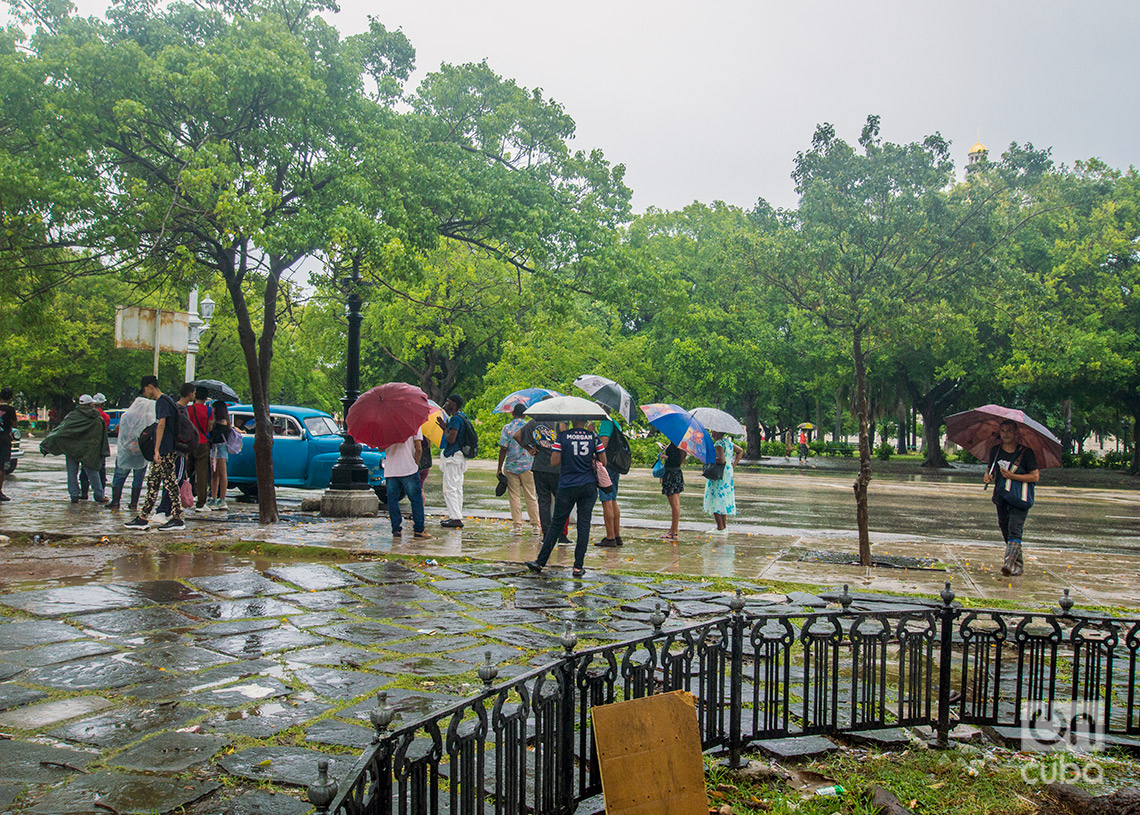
point(978, 148)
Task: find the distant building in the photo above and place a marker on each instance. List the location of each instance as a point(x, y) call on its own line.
point(977, 154)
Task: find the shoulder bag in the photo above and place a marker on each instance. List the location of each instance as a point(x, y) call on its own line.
point(1016, 493)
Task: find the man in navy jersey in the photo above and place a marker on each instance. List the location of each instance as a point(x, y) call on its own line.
point(574, 452)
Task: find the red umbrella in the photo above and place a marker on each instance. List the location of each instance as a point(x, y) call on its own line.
point(388, 414)
point(977, 431)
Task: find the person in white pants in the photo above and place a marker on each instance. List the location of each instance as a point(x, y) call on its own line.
point(452, 463)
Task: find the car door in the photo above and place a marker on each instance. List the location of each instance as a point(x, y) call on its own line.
point(290, 450)
point(240, 467)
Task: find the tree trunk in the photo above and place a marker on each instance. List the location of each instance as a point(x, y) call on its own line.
point(1134, 469)
point(752, 426)
point(818, 417)
point(864, 477)
point(1067, 431)
point(837, 428)
point(931, 437)
point(904, 422)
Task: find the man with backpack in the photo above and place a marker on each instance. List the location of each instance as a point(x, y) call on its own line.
point(618, 460)
point(459, 444)
point(164, 456)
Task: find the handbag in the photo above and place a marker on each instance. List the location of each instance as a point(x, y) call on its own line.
point(603, 475)
point(233, 442)
point(713, 471)
point(1016, 493)
point(217, 435)
point(659, 467)
point(501, 487)
point(186, 494)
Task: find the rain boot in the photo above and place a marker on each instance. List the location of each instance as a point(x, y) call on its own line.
point(1012, 565)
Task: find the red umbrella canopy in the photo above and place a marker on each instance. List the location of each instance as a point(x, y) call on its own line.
point(388, 414)
point(977, 431)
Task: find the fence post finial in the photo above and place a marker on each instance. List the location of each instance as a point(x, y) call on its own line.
point(568, 639)
point(487, 671)
point(382, 716)
point(657, 618)
point(947, 595)
point(1066, 603)
point(323, 790)
point(736, 602)
point(845, 599)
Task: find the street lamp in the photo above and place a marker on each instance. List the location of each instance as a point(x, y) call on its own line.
point(198, 324)
point(349, 494)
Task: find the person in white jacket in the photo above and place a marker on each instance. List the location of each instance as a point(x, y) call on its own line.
point(128, 459)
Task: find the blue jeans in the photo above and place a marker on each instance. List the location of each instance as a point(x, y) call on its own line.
point(584, 498)
point(73, 467)
point(398, 487)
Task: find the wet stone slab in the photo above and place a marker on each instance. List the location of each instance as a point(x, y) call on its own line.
point(170, 752)
point(524, 638)
point(320, 600)
point(646, 605)
point(697, 608)
point(578, 615)
point(259, 643)
point(382, 572)
point(241, 609)
point(219, 630)
point(484, 599)
point(183, 658)
point(9, 671)
point(421, 666)
point(257, 802)
point(490, 569)
point(802, 598)
point(126, 794)
point(432, 645)
point(461, 585)
point(796, 747)
point(99, 673)
point(396, 593)
point(335, 683)
point(506, 616)
point(691, 594)
point(70, 600)
point(476, 656)
point(291, 766)
point(332, 655)
point(580, 627)
point(550, 584)
point(442, 624)
point(15, 636)
point(243, 692)
point(117, 728)
point(622, 591)
point(37, 717)
point(60, 652)
point(330, 731)
point(368, 633)
point(267, 720)
point(240, 585)
point(161, 592)
point(407, 704)
point(318, 619)
point(25, 761)
point(386, 610)
point(13, 696)
point(137, 620)
point(593, 602)
point(313, 576)
point(539, 600)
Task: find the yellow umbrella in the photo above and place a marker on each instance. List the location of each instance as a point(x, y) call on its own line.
point(431, 428)
point(805, 426)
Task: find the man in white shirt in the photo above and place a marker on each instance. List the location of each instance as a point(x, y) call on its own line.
point(402, 477)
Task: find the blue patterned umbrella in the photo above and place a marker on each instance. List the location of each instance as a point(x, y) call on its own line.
point(680, 427)
point(526, 397)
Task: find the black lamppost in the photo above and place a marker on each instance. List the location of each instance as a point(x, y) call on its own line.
point(350, 473)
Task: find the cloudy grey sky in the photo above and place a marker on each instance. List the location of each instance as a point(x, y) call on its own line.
point(711, 100)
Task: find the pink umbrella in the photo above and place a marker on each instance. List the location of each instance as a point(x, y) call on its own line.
point(977, 431)
point(388, 414)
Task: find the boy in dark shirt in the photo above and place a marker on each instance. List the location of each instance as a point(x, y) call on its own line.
point(574, 452)
point(1014, 467)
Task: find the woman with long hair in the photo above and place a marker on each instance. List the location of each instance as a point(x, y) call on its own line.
point(219, 454)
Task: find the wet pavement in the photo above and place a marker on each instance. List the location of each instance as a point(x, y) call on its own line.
point(136, 680)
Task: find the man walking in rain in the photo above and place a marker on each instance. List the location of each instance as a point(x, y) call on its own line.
point(452, 462)
point(1016, 468)
point(165, 460)
point(81, 439)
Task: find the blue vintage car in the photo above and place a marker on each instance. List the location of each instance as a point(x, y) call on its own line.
point(306, 445)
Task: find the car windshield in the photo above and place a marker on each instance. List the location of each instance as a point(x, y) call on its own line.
point(321, 426)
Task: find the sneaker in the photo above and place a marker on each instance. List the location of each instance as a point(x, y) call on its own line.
point(452, 523)
point(173, 525)
point(421, 535)
point(618, 541)
point(4, 498)
point(220, 505)
point(578, 572)
point(137, 523)
point(533, 566)
point(607, 542)
point(563, 539)
point(112, 506)
point(398, 534)
point(103, 500)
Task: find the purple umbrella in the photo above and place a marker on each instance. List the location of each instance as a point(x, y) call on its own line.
point(977, 431)
point(526, 397)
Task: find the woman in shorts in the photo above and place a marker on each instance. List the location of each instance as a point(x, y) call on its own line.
point(219, 454)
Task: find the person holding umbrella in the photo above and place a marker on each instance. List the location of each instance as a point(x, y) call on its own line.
point(1016, 466)
point(402, 477)
point(686, 435)
point(452, 462)
point(720, 493)
point(515, 463)
point(672, 485)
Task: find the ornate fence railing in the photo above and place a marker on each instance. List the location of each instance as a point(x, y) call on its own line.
point(526, 744)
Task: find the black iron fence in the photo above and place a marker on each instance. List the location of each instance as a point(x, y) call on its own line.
point(526, 744)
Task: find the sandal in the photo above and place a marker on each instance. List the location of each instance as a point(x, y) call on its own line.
point(669, 536)
point(578, 572)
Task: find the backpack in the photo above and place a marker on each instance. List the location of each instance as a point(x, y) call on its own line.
point(186, 437)
point(146, 441)
point(469, 443)
point(619, 457)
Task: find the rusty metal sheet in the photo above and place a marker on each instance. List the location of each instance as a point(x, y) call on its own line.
point(135, 328)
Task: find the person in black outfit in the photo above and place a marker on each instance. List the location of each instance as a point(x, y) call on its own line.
point(7, 425)
point(1015, 465)
point(574, 452)
point(672, 485)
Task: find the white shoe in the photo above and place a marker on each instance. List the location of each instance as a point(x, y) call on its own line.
point(220, 505)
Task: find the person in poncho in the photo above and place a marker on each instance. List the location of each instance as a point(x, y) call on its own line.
point(128, 458)
point(81, 439)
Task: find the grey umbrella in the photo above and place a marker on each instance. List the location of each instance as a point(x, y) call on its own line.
point(608, 392)
point(718, 421)
point(217, 389)
point(565, 408)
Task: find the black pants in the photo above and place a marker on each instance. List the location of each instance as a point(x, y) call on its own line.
point(584, 498)
point(545, 487)
point(1011, 521)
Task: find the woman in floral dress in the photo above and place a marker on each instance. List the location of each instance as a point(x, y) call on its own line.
point(720, 495)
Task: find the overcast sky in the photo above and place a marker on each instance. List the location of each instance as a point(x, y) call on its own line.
point(711, 100)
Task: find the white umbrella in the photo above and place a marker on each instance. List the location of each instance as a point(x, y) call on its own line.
point(563, 408)
point(718, 421)
point(608, 392)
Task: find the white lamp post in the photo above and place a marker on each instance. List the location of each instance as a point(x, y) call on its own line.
point(198, 324)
